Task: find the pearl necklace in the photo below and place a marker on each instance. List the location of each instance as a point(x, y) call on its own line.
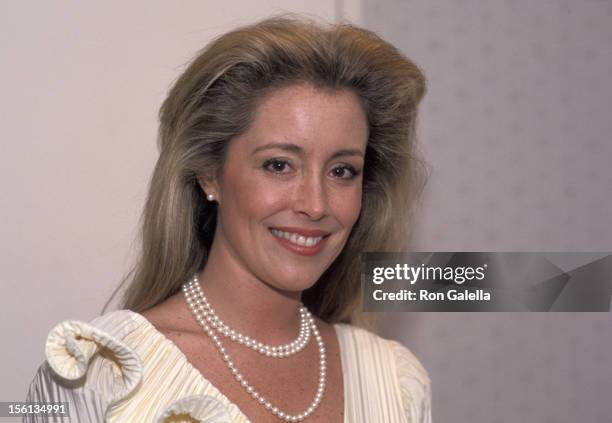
point(275, 351)
point(194, 297)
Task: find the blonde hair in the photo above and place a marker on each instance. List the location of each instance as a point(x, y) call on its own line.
point(214, 100)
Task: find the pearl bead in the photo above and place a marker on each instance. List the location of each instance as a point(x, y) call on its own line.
point(212, 324)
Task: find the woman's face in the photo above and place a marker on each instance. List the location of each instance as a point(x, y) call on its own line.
point(290, 190)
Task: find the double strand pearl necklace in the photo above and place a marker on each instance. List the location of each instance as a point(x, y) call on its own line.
point(275, 351)
point(196, 300)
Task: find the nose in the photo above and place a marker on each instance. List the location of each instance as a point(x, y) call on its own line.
point(310, 197)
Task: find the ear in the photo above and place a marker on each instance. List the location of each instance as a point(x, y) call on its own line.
point(210, 187)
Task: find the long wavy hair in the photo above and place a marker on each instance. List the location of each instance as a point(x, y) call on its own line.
point(214, 100)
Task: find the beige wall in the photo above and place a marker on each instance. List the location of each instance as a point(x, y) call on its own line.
point(516, 126)
point(81, 83)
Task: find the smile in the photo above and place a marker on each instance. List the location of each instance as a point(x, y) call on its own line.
point(301, 240)
point(304, 242)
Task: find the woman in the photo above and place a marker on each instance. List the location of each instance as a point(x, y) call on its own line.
point(287, 149)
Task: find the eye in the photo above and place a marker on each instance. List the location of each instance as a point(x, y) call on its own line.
point(344, 172)
point(277, 166)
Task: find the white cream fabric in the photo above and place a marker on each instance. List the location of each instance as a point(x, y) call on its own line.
point(119, 368)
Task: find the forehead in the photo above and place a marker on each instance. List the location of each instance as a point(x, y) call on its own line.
point(317, 120)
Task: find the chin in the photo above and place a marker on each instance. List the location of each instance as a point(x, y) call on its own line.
point(295, 284)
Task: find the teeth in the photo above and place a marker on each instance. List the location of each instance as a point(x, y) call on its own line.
point(304, 241)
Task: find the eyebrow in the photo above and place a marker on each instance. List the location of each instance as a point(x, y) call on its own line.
point(297, 149)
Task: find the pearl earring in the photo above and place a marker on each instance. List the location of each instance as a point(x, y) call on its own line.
point(210, 197)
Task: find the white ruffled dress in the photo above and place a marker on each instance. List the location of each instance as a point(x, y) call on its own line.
point(120, 368)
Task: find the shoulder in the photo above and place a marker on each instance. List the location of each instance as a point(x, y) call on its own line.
point(116, 367)
point(414, 382)
point(171, 317)
point(366, 351)
point(72, 345)
point(363, 341)
point(90, 361)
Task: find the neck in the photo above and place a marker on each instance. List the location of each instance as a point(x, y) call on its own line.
point(247, 304)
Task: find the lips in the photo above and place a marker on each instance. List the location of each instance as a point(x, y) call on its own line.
point(299, 240)
point(294, 238)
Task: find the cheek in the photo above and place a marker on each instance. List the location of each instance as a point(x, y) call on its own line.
point(253, 197)
point(347, 206)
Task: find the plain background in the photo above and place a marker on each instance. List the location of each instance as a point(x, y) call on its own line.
point(515, 127)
